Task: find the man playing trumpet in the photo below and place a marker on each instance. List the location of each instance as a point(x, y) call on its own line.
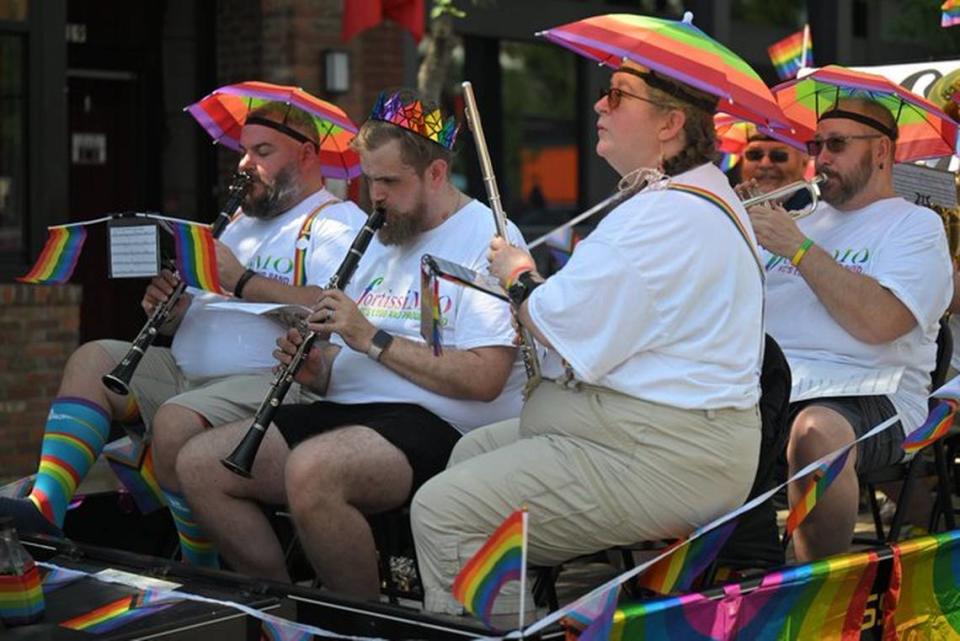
point(854, 294)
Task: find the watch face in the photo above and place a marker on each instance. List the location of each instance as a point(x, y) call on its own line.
point(382, 339)
point(517, 292)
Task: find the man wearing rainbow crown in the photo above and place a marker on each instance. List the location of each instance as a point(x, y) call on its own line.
point(218, 367)
point(392, 409)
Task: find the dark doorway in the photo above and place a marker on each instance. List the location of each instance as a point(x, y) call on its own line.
point(105, 158)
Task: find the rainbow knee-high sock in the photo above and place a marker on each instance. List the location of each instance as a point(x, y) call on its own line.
point(75, 434)
point(195, 548)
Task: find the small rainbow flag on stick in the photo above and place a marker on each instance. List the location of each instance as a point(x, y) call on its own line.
point(792, 53)
point(502, 558)
point(677, 571)
point(937, 424)
point(58, 259)
point(196, 256)
point(951, 13)
point(818, 483)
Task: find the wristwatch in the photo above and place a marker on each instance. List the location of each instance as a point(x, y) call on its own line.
point(522, 288)
point(381, 341)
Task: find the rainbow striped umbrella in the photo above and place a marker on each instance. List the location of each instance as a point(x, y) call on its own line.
point(678, 50)
point(733, 133)
point(223, 112)
point(925, 130)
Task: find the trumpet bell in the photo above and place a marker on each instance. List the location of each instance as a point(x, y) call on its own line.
point(812, 186)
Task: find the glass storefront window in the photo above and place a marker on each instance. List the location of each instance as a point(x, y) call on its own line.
point(12, 151)
point(15, 10)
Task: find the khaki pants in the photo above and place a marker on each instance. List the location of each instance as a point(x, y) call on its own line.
point(220, 400)
point(596, 469)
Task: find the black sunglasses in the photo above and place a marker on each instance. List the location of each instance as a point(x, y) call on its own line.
point(834, 144)
point(614, 96)
point(776, 155)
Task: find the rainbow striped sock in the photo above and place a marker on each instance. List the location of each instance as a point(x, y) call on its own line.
point(195, 548)
point(75, 434)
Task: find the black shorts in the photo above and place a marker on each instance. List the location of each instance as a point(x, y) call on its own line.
point(423, 437)
point(864, 413)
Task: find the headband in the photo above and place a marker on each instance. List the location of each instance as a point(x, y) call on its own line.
point(862, 119)
point(670, 87)
point(279, 126)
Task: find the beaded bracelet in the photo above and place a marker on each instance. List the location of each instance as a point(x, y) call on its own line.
point(801, 251)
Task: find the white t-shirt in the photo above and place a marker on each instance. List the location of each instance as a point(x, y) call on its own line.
point(663, 301)
point(386, 287)
point(215, 342)
point(904, 248)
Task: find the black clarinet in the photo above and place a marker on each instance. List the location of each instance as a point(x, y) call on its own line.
point(241, 459)
point(118, 380)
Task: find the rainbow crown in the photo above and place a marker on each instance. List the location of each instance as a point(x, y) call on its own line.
point(410, 116)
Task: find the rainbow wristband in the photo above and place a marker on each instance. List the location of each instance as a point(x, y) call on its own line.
point(801, 251)
point(515, 274)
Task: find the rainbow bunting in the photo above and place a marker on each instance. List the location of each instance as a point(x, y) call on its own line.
point(677, 571)
point(821, 600)
point(602, 626)
point(501, 559)
point(196, 256)
point(792, 53)
point(58, 259)
point(132, 463)
point(921, 600)
point(21, 597)
point(937, 424)
point(691, 617)
point(951, 13)
point(276, 629)
point(818, 483)
point(118, 613)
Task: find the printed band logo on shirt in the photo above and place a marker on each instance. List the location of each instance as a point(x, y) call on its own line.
point(378, 302)
point(851, 258)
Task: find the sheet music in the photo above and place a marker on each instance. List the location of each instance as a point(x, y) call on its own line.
point(468, 277)
point(134, 250)
point(819, 380)
point(286, 315)
point(924, 185)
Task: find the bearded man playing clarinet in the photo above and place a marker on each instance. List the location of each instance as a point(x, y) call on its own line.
point(393, 409)
point(219, 364)
point(649, 427)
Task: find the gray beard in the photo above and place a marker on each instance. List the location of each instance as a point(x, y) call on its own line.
point(843, 188)
point(276, 198)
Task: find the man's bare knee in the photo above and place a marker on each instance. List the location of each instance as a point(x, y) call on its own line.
point(817, 431)
point(173, 426)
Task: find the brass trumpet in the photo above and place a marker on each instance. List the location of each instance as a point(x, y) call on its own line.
point(812, 185)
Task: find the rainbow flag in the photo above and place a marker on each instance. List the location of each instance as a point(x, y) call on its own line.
point(119, 613)
point(920, 602)
point(132, 463)
point(792, 53)
point(196, 257)
point(937, 424)
point(728, 161)
point(951, 13)
point(501, 559)
point(21, 597)
point(818, 483)
point(58, 259)
point(821, 600)
point(691, 617)
point(677, 571)
point(561, 244)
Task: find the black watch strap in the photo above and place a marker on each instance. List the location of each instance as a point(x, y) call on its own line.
point(522, 288)
point(242, 281)
point(380, 342)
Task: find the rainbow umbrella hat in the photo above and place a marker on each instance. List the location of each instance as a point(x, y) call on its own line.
point(733, 134)
point(925, 130)
point(223, 112)
point(678, 50)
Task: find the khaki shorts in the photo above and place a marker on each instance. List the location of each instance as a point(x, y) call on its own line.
point(219, 400)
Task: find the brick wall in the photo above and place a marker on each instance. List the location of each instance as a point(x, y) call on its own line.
point(39, 327)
